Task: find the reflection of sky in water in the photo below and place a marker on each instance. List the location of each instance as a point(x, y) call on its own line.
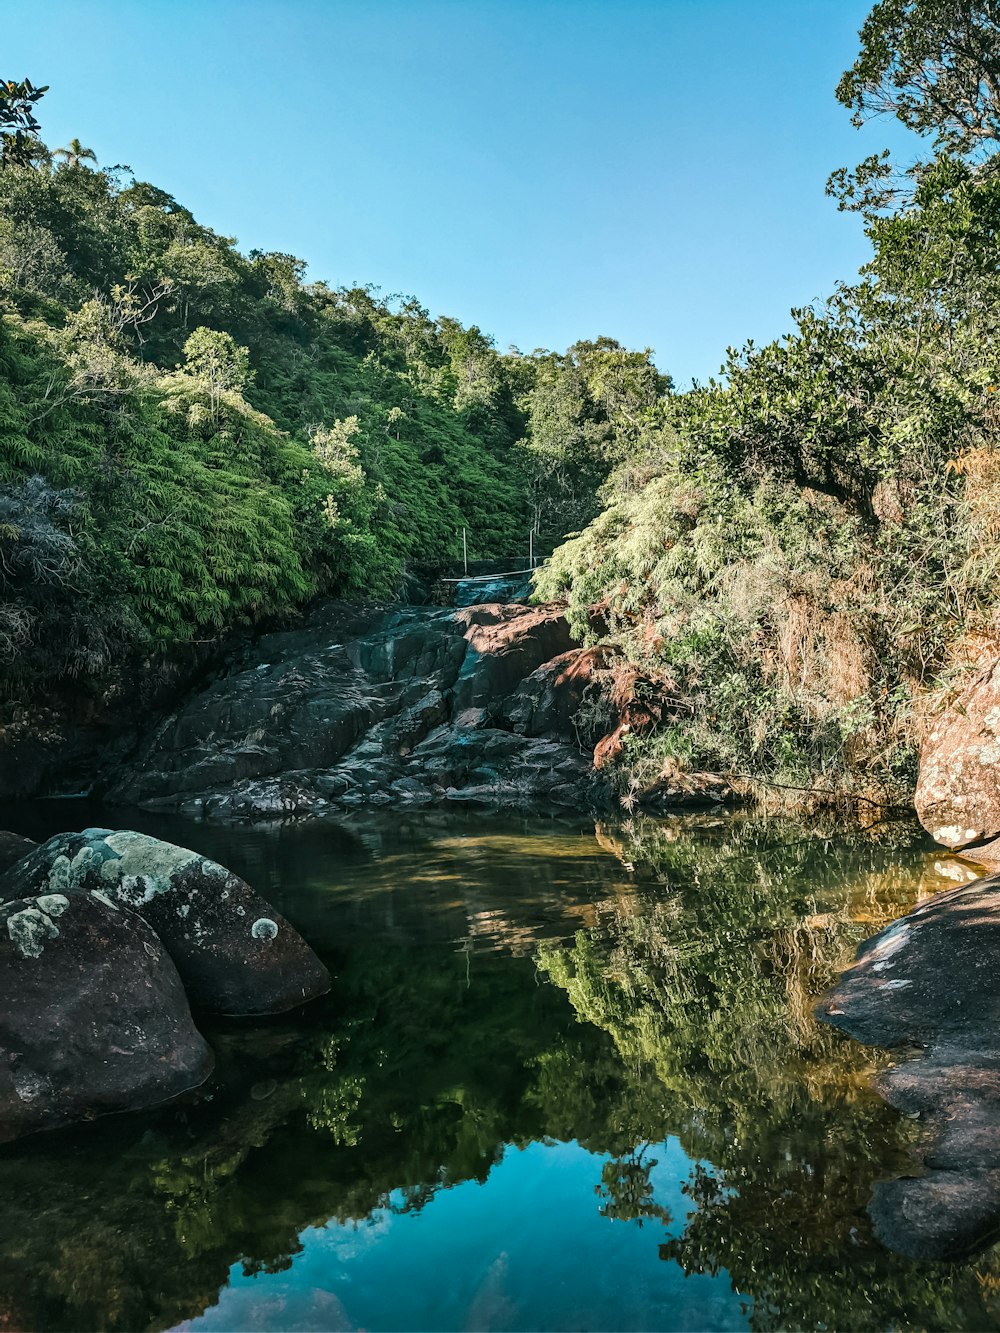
point(572, 990)
point(528, 1249)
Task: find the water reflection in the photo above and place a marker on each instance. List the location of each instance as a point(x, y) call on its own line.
point(564, 1080)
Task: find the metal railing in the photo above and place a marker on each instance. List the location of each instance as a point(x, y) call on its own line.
point(483, 571)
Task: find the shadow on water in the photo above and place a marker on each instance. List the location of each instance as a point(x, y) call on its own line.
point(566, 1078)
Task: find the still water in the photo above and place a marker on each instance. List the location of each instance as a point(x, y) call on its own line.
point(567, 1078)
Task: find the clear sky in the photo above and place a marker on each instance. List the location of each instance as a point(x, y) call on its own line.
point(550, 170)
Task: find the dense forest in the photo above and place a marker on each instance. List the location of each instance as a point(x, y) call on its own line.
point(195, 439)
point(803, 555)
point(798, 559)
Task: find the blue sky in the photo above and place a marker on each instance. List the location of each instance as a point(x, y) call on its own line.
point(548, 169)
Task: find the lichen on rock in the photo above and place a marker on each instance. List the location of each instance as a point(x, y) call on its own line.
point(94, 1017)
point(199, 909)
point(29, 929)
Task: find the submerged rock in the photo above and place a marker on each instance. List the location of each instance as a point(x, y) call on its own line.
point(932, 977)
point(235, 953)
point(958, 787)
point(94, 1016)
point(932, 980)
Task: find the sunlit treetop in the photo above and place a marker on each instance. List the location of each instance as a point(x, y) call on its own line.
point(935, 65)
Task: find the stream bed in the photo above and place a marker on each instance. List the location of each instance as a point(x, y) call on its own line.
point(568, 1077)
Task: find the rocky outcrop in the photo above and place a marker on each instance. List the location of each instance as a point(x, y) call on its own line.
point(58, 738)
point(12, 848)
point(931, 980)
point(549, 702)
point(235, 953)
point(94, 1016)
point(638, 708)
point(958, 788)
point(374, 706)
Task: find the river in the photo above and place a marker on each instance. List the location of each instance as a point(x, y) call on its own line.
point(568, 1077)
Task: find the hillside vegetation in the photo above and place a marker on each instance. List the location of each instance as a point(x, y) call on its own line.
point(796, 563)
point(193, 439)
point(805, 554)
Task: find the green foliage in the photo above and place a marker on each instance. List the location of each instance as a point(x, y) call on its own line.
point(815, 550)
point(239, 440)
point(215, 357)
point(814, 554)
point(934, 64)
point(589, 410)
point(18, 126)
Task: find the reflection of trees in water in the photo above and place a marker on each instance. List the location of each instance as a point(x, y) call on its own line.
point(626, 1190)
point(683, 1008)
point(710, 992)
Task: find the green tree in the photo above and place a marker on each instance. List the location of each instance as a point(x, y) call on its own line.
point(74, 154)
point(18, 127)
point(935, 65)
point(216, 358)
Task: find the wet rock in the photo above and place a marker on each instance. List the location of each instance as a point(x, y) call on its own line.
point(265, 798)
point(94, 1016)
point(931, 980)
point(944, 1215)
point(380, 706)
point(235, 953)
point(12, 848)
point(958, 787)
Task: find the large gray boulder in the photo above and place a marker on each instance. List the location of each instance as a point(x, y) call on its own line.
point(235, 953)
point(930, 982)
point(94, 1017)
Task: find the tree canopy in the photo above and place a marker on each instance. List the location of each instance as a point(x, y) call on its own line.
point(935, 65)
point(811, 557)
point(229, 439)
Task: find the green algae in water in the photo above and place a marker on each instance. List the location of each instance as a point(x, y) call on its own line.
point(567, 1078)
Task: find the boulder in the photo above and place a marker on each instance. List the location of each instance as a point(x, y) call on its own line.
point(506, 643)
point(930, 981)
point(235, 953)
point(958, 786)
point(12, 848)
point(94, 1016)
point(944, 1215)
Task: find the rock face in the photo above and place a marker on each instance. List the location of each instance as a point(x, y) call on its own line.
point(549, 701)
point(235, 954)
point(94, 1016)
point(932, 979)
point(12, 848)
point(409, 704)
point(958, 789)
